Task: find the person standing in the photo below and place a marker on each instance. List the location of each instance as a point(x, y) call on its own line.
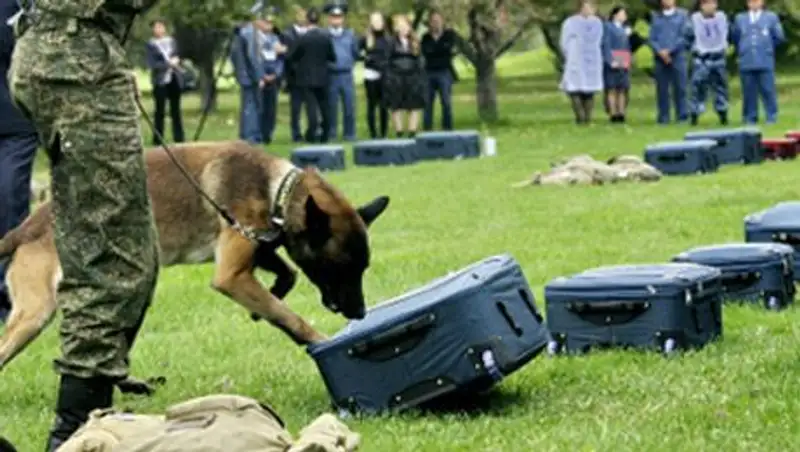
point(709, 46)
point(18, 144)
point(342, 87)
point(313, 51)
point(755, 35)
point(669, 30)
point(248, 69)
point(581, 44)
point(289, 39)
point(617, 55)
point(375, 46)
point(269, 53)
point(405, 86)
point(438, 49)
point(166, 78)
point(70, 74)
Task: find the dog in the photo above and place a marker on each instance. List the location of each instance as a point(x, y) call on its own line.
point(323, 234)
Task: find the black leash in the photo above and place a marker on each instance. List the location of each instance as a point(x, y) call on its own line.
point(220, 68)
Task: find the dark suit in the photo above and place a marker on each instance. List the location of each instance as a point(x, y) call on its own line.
point(164, 91)
point(310, 58)
point(18, 144)
point(290, 38)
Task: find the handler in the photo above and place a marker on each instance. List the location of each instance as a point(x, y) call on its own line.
point(70, 74)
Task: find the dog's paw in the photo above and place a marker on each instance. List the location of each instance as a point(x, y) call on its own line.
point(255, 317)
point(135, 386)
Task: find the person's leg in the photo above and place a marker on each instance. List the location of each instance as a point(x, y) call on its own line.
point(16, 163)
point(334, 93)
point(349, 108)
point(160, 99)
point(322, 99)
point(446, 95)
point(587, 105)
point(270, 97)
point(430, 99)
point(681, 82)
point(719, 81)
point(749, 80)
point(251, 115)
point(769, 94)
point(413, 123)
point(397, 119)
point(384, 112)
point(312, 113)
point(610, 104)
point(176, 116)
point(662, 92)
point(295, 107)
point(577, 108)
point(622, 104)
point(697, 97)
point(371, 88)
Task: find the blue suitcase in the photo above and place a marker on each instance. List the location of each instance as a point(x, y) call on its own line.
point(667, 306)
point(385, 152)
point(779, 223)
point(751, 272)
point(449, 145)
point(322, 157)
point(753, 144)
point(683, 157)
point(733, 145)
point(460, 333)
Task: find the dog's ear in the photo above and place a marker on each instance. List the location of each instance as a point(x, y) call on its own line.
point(369, 212)
point(318, 224)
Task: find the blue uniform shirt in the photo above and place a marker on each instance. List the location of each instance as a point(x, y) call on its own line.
point(345, 44)
point(670, 32)
point(756, 40)
point(271, 61)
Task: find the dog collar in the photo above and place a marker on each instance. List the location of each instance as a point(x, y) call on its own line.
point(286, 187)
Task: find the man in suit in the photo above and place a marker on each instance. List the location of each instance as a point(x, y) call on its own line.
point(290, 38)
point(313, 51)
point(18, 144)
point(755, 35)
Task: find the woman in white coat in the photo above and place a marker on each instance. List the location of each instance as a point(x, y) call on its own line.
point(581, 45)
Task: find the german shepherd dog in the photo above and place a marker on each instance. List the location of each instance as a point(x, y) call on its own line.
point(318, 227)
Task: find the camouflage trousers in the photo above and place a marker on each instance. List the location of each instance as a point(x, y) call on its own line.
point(76, 85)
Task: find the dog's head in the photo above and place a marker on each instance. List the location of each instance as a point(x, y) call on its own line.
point(332, 247)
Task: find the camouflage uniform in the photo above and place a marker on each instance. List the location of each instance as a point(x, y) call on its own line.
point(70, 75)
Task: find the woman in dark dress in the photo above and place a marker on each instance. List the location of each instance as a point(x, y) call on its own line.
point(617, 54)
point(375, 46)
point(405, 86)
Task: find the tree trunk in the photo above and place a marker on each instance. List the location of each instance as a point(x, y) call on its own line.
point(208, 86)
point(201, 46)
point(486, 89)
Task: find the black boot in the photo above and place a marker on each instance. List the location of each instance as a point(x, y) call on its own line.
point(723, 117)
point(77, 397)
point(622, 119)
point(400, 134)
point(614, 119)
point(693, 119)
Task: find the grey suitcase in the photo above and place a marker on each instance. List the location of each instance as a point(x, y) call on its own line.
point(753, 145)
point(322, 157)
point(667, 306)
point(760, 273)
point(733, 145)
point(385, 152)
point(458, 334)
point(449, 145)
point(780, 224)
point(683, 157)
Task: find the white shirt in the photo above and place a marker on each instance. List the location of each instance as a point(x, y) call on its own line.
point(754, 16)
point(300, 30)
point(669, 12)
point(337, 31)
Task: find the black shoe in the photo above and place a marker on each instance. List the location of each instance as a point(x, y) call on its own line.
point(77, 397)
point(6, 446)
point(622, 119)
point(693, 119)
point(723, 118)
point(400, 134)
point(412, 135)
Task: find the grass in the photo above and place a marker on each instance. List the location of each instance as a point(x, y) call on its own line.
point(738, 394)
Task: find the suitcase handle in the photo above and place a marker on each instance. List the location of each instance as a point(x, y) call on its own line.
point(307, 160)
point(507, 316)
point(606, 313)
point(435, 144)
point(674, 157)
point(526, 298)
point(735, 282)
point(373, 152)
point(788, 239)
point(394, 342)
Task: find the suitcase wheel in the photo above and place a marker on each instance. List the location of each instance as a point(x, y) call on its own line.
point(773, 304)
point(670, 346)
point(553, 348)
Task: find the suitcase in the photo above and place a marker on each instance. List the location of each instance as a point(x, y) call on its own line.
point(753, 139)
point(779, 148)
point(385, 152)
point(449, 145)
point(322, 157)
point(667, 306)
point(779, 223)
point(683, 157)
point(760, 273)
point(457, 334)
point(733, 145)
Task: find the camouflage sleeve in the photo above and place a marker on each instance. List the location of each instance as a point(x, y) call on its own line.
point(73, 8)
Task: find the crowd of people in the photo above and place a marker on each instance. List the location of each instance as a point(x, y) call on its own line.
point(403, 74)
point(598, 58)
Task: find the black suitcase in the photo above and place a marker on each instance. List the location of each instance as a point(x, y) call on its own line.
point(453, 145)
point(462, 332)
point(734, 145)
point(779, 224)
point(322, 157)
point(667, 306)
point(760, 273)
point(683, 157)
point(385, 152)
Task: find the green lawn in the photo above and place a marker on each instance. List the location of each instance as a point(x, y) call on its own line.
point(739, 394)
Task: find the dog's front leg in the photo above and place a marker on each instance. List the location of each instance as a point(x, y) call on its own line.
point(266, 258)
point(234, 278)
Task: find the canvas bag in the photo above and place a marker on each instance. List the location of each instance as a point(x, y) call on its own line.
point(214, 423)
